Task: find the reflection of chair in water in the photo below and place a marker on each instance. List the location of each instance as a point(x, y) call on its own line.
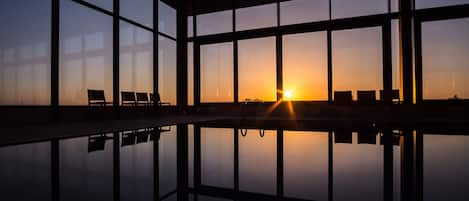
point(97, 98)
point(395, 97)
point(343, 97)
point(97, 142)
point(142, 135)
point(366, 97)
point(343, 136)
point(155, 133)
point(367, 136)
point(396, 139)
point(128, 138)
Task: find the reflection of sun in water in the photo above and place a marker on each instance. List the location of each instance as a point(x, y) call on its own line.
point(288, 94)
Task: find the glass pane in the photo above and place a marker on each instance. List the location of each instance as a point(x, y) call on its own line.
point(445, 48)
point(136, 59)
point(106, 4)
point(85, 174)
point(258, 161)
point(396, 59)
point(438, 3)
point(359, 159)
point(216, 73)
point(140, 11)
point(167, 70)
point(25, 57)
point(190, 26)
point(306, 162)
point(168, 161)
point(190, 73)
point(305, 66)
point(357, 62)
point(213, 23)
point(85, 53)
point(167, 19)
point(256, 17)
point(300, 11)
point(347, 8)
point(445, 166)
point(26, 172)
point(257, 69)
point(217, 157)
point(136, 168)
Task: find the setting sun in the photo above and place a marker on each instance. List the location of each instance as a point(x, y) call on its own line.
point(288, 94)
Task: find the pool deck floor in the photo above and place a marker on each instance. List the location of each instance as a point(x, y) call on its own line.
point(35, 133)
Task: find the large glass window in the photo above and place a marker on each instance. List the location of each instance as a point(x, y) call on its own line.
point(140, 11)
point(167, 70)
point(256, 17)
point(216, 73)
point(357, 60)
point(347, 8)
point(217, 157)
point(213, 23)
point(305, 66)
point(300, 11)
point(25, 57)
point(85, 53)
point(190, 73)
point(167, 19)
point(136, 59)
point(445, 49)
point(257, 69)
point(106, 4)
point(437, 3)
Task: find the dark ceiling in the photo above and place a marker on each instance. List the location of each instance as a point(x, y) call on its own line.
point(208, 6)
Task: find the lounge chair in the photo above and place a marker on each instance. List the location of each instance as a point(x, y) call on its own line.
point(158, 100)
point(128, 98)
point(343, 97)
point(366, 97)
point(97, 98)
point(395, 97)
point(142, 98)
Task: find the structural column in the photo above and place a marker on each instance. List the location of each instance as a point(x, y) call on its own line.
point(115, 55)
point(181, 54)
point(406, 50)
point(55, 45)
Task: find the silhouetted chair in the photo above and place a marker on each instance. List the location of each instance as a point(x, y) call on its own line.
point(97, 98)
point(142, 136)
point(395, 97)
point(158, 100)
point(366, 97)
point(97, 142)
point(343, 136)
point(128, 98)
point(396, 139)
point(128, 138)
point(343, 97)
point(142, 98)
